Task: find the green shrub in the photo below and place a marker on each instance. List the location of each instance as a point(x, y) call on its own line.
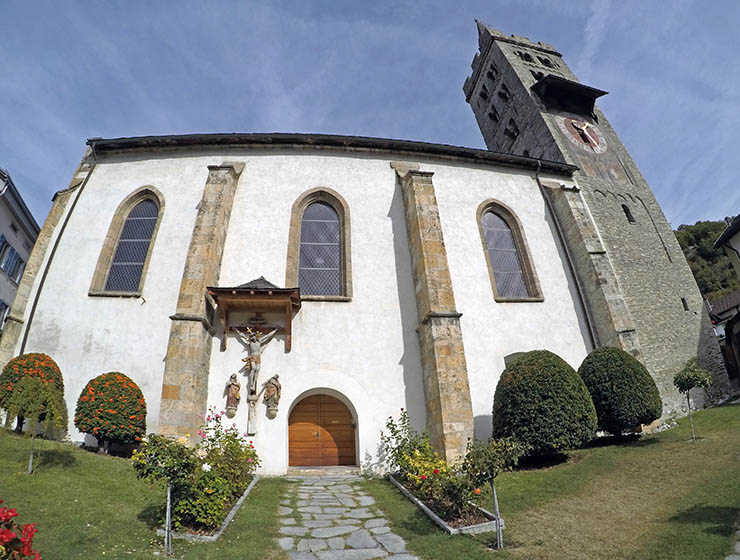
point(227, 454)
point(111, 407)
point(206, 480)
point(399, 442)
point(204, 504)
point(692, 376)
point(542, 402)
point(409, 454)
point(485, 460)
point(623, 392)
point(162, 458)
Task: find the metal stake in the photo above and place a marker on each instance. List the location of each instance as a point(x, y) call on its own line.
point(168, 523)
point(499, 530)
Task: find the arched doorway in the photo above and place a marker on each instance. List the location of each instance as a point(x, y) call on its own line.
point(321, 433)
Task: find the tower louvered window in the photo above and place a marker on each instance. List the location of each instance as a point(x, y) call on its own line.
point(132, 249)
point(504, 257)
point(319, 265)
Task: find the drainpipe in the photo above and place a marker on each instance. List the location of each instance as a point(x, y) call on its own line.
point(569, 257)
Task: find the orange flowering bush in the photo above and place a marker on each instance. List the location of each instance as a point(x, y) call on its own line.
point(111, 407)
point(39, 366)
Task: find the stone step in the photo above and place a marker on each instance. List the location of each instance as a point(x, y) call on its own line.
point(324, 471)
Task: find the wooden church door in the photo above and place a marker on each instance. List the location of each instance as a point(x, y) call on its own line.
point(321, 433)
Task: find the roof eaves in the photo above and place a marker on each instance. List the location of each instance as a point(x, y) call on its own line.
point(729, 232)
point(318, 141)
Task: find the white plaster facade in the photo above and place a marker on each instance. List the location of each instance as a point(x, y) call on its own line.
point(364, 351)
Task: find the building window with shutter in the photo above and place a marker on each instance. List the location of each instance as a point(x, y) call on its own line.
point(10, 261)
point(124, 259)
point(510, 266)
point(318, 248)
point(4, 311)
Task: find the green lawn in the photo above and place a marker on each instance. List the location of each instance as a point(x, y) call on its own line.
point(661, 497)
point(92, 506)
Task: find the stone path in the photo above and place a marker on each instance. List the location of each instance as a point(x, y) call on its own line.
point(331, 518)
point(735, 554)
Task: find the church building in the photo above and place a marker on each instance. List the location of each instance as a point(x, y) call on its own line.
point(345, 278)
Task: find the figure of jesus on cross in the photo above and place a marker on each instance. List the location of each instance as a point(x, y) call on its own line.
point(254, 345)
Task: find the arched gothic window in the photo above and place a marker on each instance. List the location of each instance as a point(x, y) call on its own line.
point(509, 264)
point(319, 270)
point(318, 249)
point(127, 248)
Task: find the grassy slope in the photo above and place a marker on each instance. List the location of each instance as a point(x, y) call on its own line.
point(91, 506)
point(662, 497)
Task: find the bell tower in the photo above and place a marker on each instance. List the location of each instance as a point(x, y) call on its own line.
point(636, 283)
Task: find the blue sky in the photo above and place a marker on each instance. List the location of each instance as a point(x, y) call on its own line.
point(73, 70)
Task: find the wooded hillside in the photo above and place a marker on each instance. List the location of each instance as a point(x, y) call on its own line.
point(711, 267)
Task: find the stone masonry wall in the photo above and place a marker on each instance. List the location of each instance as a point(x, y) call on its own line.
point(185, 382)
point(445, 377)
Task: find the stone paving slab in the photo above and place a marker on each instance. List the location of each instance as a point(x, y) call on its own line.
point(319, 528)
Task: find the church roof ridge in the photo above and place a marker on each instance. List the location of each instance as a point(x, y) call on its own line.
point(304, 141)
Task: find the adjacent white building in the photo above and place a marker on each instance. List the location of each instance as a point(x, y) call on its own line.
point(18, 233)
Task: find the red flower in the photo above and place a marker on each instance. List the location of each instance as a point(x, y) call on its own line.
point(6, 535)
point(29, 530)
point(423, 477)
point(7, 514)
point(436, 471)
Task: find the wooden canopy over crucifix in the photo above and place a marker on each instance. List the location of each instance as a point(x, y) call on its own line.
point(258, 296)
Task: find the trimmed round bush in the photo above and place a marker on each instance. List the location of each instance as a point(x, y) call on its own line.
point(40, 366)
point(112, 408)
point(623, 392)
point(542, 402)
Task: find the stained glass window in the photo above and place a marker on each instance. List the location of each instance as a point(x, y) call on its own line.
point(502, 254)
point(319, 263)
point(133, 247)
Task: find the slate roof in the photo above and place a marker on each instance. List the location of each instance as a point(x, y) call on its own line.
point(301, 141)
point(726, 303)
point(259, 284)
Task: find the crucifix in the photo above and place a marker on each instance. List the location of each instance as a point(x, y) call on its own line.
point(254, 335)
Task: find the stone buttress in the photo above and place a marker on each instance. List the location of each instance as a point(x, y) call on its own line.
point(445, 376)
point(185, 382)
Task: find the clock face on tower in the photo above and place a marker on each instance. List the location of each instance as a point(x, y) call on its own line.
point(583, 134)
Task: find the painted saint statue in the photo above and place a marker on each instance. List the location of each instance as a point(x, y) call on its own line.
point(233, 388)
point(272, 395)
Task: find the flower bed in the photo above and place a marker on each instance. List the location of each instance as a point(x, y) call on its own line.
point(212, 537)
point(479, 520)
point(205, 481)
point(447, 493)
